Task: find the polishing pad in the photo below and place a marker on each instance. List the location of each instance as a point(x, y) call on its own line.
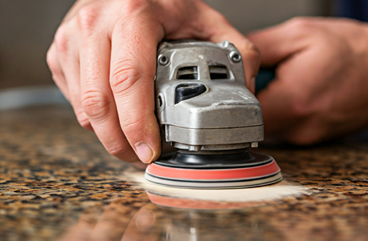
point(253, 170)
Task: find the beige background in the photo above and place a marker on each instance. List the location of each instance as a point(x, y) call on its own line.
point(27, 28)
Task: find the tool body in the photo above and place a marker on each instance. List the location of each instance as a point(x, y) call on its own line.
point(209, 116)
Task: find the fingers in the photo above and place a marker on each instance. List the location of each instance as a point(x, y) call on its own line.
point(280, 42)
point(70, 63)
point(290, 100)
point(143, 226)
point(222, 30)
point(284, 101)
point(133, 67)
point(278, 107)
point(97, 99)
point(68, 58)
point(56, 71)
point(120, 111)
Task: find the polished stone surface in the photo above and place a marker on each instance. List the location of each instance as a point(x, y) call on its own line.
point(58, 183)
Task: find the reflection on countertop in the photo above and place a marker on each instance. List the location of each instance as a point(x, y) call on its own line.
point(58, 183)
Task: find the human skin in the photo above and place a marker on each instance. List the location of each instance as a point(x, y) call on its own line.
point(103, 59)
point(321, 89)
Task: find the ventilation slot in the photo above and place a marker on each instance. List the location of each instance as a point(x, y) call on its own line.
point(190, 72)
point(218, 72)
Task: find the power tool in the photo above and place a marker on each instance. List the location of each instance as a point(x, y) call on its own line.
point(206, 112)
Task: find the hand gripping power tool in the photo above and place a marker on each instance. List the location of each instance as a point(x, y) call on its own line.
point(206, 112)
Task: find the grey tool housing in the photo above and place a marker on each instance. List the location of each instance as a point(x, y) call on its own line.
point(202, 102)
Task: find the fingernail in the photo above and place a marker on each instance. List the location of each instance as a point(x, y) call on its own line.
point(144, 151)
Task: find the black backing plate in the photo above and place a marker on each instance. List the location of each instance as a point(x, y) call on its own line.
point(223, 161)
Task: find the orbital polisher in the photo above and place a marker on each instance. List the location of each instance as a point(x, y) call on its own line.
point(208, 115)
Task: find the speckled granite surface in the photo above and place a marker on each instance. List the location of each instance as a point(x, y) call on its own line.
point(58, 183)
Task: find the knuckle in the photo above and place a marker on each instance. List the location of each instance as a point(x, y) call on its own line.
point(248, 47)
point(83, 120)
point(95, 104)
point(132, 6)
point(123, 79)
point(52, 63)
point(251, 53)
point(61, 39)
point(50, 58)
point(57, 74)
point(252, 47)
point(88, 17)
point(300, 25)
point(116, 149)
point(300, 21)
point(132, 125)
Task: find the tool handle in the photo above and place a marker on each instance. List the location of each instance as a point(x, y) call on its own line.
point(264, 77)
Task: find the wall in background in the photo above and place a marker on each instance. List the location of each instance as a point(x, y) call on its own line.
point(247, 15)
point(27, 29)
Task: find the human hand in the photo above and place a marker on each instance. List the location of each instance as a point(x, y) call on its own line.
point(320, 91)
point(103, 59)
point(118, 221)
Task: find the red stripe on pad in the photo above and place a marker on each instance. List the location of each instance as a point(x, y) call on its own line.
point(213, 174)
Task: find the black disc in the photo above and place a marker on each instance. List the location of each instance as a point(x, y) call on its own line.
point(211, 161)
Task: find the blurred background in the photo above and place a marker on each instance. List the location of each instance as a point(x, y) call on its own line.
point(27, 29)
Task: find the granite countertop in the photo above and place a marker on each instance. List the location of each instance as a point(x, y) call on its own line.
point(58, 183)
